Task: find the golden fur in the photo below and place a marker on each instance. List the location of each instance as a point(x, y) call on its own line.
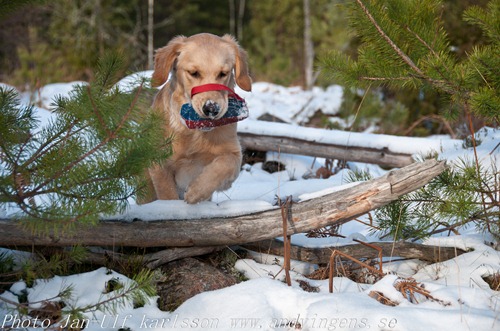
point(203, 161)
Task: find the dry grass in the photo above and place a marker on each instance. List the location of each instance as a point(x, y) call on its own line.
point(493, 281)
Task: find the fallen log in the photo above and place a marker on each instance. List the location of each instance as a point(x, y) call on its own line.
point(383, 157)
point(385, 150)
point(401, 249)
point(335, 208)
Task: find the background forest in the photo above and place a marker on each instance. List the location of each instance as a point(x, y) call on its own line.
point(54, 41)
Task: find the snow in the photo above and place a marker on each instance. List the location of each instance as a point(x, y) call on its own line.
point(180, 210)
point(488, 151)
point(292, 105)
point(47, 93)
point(129, 83)
point(264, 302)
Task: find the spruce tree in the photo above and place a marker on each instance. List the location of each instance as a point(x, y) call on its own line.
point(87, 161)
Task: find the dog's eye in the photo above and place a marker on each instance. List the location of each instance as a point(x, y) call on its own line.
point(222, 74)
point(194, 74)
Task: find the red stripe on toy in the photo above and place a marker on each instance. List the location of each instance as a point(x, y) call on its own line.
point(210, 123)
point(214, 87)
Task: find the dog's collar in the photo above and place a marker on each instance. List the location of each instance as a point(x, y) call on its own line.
point(237, 109)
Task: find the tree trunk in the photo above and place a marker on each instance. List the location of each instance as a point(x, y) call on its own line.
point(151, 4)
point(232, 25)
point(241, 14)
point(335, 208)
point(308, 47)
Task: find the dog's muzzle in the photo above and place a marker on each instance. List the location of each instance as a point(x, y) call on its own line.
point(237, 109)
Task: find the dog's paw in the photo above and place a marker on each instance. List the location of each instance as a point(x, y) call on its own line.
point(195, 194)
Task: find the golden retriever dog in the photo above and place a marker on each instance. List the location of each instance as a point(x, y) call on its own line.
point(202, 161)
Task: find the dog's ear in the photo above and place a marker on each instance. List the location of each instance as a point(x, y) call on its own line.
point(164, 60)
point(242, 76)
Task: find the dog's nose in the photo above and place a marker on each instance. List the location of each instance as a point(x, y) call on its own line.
point(211, 108)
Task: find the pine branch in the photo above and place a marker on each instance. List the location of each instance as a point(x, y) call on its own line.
point(129, 111)
point(51, 143)
point(400, 53)
point(85, 163)
point(406, 59)
point(403, 43)
point(446, 82)
point(96, 112)
point(140, 289)
point(111, 136)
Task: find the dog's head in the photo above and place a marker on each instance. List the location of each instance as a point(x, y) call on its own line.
point(202, 59)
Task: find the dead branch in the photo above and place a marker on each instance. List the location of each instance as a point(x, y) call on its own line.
point(286, 215)
point(336, 253)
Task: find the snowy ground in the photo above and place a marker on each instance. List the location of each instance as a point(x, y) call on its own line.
point(465, 301)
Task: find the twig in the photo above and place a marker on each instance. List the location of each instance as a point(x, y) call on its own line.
point(476, 158)
point(384, 79)
point(452, 227)
point(336, 252)
point(286, 215)
point(408, 287)
point(498, 145)
point(434, 117)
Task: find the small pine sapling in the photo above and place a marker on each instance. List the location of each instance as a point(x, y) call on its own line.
point(87, 161)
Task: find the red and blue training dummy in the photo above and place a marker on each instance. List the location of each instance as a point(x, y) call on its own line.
point(237, 109)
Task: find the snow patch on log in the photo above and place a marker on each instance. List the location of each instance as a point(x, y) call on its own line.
point(177, 209)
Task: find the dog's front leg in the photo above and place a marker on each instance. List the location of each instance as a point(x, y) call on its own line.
point(216, 176)
point(163, 182)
